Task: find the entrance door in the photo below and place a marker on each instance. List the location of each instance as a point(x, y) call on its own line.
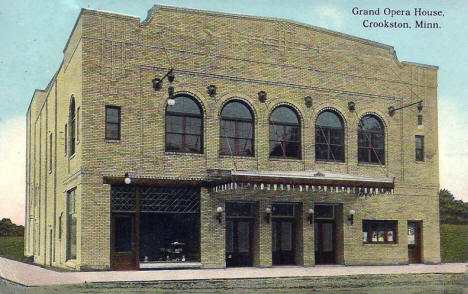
point(414, 242)
point(283, 242)
point(239, 242)
point(324, 242)
point(123, 254)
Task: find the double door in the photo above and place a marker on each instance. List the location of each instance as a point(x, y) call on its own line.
point(239, 234)
point(283, 241)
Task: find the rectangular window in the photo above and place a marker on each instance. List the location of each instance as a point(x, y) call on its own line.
point(379, 231)
point(419, 148)
point(50, 152)
point(112, 122)
point(71, 225)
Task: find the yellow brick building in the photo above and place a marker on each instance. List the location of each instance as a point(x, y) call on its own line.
point(270, 142)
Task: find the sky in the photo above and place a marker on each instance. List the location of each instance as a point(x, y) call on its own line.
point(33, 35)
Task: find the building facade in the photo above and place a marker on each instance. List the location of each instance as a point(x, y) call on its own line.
point(203, 139)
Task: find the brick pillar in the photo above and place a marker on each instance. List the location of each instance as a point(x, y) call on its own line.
point(308, 236)
point(212, 241)
point(265, 236)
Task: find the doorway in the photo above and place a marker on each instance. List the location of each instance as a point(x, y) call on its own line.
point(239, 234)
point(414, 242)
point(324, 242)
point(325, 234)
point(284, 233)
point(123, 253)
point(283, 241)
point(239, 243)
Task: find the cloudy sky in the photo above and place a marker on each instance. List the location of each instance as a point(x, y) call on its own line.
point(33, 35)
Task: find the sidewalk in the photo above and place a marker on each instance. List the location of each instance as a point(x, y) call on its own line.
point(31, 275)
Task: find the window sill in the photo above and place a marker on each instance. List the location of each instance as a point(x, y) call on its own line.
point(170, 153)
point(112, 141)
point(384, 244)
point(223, 156)
point(71, 263)
point(72, 156)
point(370, 164)
point(419, 162)
point(286, 159)
point(322, 161)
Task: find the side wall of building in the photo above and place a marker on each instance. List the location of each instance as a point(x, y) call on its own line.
point(52, 170)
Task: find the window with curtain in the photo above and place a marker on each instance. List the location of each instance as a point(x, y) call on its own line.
point(329, 137)
point(184, 126)
point(285, 133)
point(237, 130)
point(371, 140)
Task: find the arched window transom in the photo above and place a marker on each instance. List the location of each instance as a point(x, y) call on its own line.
point(285, 133)
point(184, 126)
point(237, 130)
point(329, 137)
point(371, 140)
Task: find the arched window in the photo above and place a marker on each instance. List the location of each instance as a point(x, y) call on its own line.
point(184, 125)
point(237, 129)
point(329, 137)
point(71, 123)
point(371, 140)
point(285, 133)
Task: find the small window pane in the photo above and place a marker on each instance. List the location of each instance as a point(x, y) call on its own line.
point(276, 148)
point(321, 151)
point(236, 110)
point(244, 237)
point(329, 119)
point(337, 152)
point(174, 123)
point(229, 237)
point(173, 142)
point(112, 131)
point(245, 130)
point(284, 114)
point(193, 125)
point(184, 104)
point(112, 114)
point(283, 209)
point(363, 154)
point(286, 236)
point(293, 150)
point(228, 128)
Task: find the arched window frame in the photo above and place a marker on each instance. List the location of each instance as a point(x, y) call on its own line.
point(239, 141)
point(333, 139)
point(184, 133)
point(367, 141)
point(72, 126)
point(284, 141)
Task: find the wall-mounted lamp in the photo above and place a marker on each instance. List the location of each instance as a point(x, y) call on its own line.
point(351, 106)
point(157, 82)
point(267, 214)
point(211, 90)
point(219, 213)
point(262, 96)
point(392, 110)
point(127, 179)
point(310, 216)
point(351, 216)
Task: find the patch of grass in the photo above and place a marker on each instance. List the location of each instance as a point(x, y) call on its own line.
point(454, 243)
point(12, 247)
